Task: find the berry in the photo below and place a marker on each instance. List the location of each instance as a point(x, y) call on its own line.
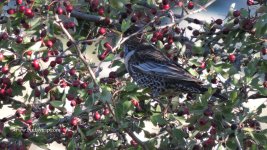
point(232, 58)
point(190, 5)
point(11, 11)
point(219, 21)
point(53, 64)
point(102, 31)
point(90, 91)
point(2, 92)
point(58, 60)
point(63, 130)
point(101, 11)
point(265, 84)
point(202, 121)
point(97, 116)
point(28, 12)
point(74, 121)
point(49, 43)
point(73, 103)
point(29, 52)
point(134, 143)
point(4, 36)
point(134, 18)
point(250, 2)
point(35, 64)
point(69, 8)
point(70, 97)
point(19, 39)
point(56, 81)
point(5, 69)
point(72, 71)
point(106, 112)
point(18, 2)
point(45, 72)
point(263, 51)
point(166, 7)
point(76, 83)
point(45, 111)
point(208, 112)
point(236, 13)
point(20, 82)
point(47, 89)
point(112, 74)
point(51, 107)
point(59, 11)
point(69, 134)
point(202, 65)
point(84, 85)
point(135, 102)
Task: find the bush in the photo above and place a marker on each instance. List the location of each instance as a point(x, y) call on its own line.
point(47, 75)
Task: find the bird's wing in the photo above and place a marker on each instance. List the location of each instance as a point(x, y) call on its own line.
point(156, 63)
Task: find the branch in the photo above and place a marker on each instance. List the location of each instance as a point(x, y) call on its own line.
point(91, 18)
point(131, 134)
point(256, 96)
point(238, 143)
point(78, 51)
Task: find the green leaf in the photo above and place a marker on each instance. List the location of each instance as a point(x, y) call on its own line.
point(193, 72)
point(158, 119)
point(260, 138)
point(30, 76)
point(36, 46)
point(262, 119)
point(57, 103)
point(77, 111)
point(71, 145)
point(116, 4)
point(105, 95)
point(125, 25)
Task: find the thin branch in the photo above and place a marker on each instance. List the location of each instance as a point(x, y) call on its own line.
point(79, 53)
point(238, 143)
point(256, 96)
point(131, 134)
point(91, 18)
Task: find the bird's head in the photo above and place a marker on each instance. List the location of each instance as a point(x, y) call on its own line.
point(133, 39)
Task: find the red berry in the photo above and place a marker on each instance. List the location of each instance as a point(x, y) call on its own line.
point(47, 89)
point(69, 8)
point(97, 116)
point(133, 143)
point(106, 112)
point(19, 39)
point(28, 12)
point(53, 64)
point(74, 121)
point(49, 43)
point(29, 121)
point(69, 134)
point(166, 7)
point(231, 58)
point(45, 72)
point(2, 92)
point(11, 11)
point(208, 112)
point(5, 69)
point(135, 102)
point(19, 2)
point(37, 93)
point(102, 31)
point(72, 71)
point(264, 51)
point(59, 11)
point(250, 2)
point(20, 82)
point(73, 103)
point(45, 111)
point(236, 13)
point(76, 83)
point(101, 11)
point(70, 97)
point(195, 32)
point(51, 107)
point(63, 130)
point(58, 60)
point(84, 85)
point(35, 64)
point(202, 65)
point(265, 84)
point(202, 121)
point(134, 18)
point(90, 91)
point(190, 5)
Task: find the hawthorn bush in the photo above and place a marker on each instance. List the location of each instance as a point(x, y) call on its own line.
point(48, 77)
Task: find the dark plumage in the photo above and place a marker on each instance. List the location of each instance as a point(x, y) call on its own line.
point(150, 68)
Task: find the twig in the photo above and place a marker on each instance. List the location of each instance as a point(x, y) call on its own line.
point(91, 18)
point(131, 134)
point(238, 143)
point(79, 53)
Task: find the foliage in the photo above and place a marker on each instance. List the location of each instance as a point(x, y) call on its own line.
point(47, 75)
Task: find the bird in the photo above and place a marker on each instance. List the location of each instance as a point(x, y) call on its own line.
point(151, 68)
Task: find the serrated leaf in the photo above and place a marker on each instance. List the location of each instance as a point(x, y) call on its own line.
point(105, 95)
point(125, 25)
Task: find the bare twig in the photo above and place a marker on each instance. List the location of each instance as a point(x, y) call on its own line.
point(79, 53)
point(238, 143)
